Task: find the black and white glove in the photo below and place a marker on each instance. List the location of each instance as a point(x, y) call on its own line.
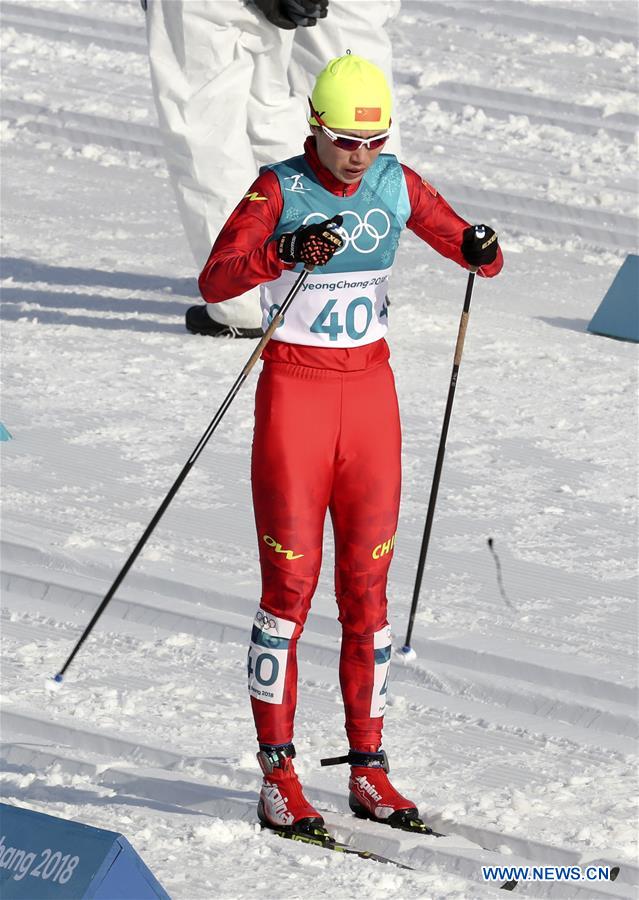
point(479, 245)
point(313, 245)
point(291, 13)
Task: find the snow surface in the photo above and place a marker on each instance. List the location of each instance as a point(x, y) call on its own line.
point(516, 728)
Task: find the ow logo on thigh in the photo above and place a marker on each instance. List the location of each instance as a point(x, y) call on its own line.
point(279, 549)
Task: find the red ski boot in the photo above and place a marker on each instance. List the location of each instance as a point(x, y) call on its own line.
point(282, 805)
point(372, 796)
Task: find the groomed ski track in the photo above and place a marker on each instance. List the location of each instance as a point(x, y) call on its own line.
point(498, 726)
point(66, 750)
point(516, 728)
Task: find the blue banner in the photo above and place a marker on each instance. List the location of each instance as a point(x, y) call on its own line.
point(46, 857)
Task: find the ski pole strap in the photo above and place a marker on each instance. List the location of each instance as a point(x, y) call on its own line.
point(367, 760)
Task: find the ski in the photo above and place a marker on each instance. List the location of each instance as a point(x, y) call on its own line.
point(412, 825)
point(415, 825)
point(325, 840)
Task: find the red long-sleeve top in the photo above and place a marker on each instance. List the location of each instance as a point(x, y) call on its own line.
point(244, 255)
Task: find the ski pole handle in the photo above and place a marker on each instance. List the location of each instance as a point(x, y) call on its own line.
point(480, 234)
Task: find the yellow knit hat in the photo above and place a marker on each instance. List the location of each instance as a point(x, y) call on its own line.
point(351, 93)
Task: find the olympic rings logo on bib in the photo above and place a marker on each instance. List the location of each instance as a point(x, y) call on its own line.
point(373, 228)
point(264, 621)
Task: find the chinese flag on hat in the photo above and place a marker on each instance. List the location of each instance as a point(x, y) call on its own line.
point(368, 113)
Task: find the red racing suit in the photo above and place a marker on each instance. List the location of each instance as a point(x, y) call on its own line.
point(327, 438)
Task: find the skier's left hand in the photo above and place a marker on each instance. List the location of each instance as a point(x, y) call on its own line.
point(479, 251)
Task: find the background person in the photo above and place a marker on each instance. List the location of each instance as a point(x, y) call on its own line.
point(230, 82)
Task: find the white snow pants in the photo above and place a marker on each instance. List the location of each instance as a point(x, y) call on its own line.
point(230, 90)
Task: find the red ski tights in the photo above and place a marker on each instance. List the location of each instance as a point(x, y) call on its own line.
point(324, 440)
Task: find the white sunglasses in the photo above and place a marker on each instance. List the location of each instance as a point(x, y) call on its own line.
point(351, 143)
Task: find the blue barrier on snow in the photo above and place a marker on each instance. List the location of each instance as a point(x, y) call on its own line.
point(46, 857)
point(618, 312)
point(5, 434)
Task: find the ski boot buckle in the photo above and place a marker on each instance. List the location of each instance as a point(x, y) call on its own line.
point(271, 757)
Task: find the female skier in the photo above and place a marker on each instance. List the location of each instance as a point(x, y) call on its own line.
point(327, 428)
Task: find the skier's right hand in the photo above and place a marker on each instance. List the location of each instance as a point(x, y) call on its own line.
point(311, 244)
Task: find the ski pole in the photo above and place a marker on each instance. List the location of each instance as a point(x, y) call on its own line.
point(217, 418)
point(407, 650)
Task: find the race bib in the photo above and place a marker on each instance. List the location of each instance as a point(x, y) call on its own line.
point(268, 656)
point(382, 645)
point(330, 310)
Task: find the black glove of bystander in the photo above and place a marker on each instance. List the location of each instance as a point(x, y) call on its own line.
point(291, 13)
point(305, 12)
point(479, 250)
point(312, 244)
